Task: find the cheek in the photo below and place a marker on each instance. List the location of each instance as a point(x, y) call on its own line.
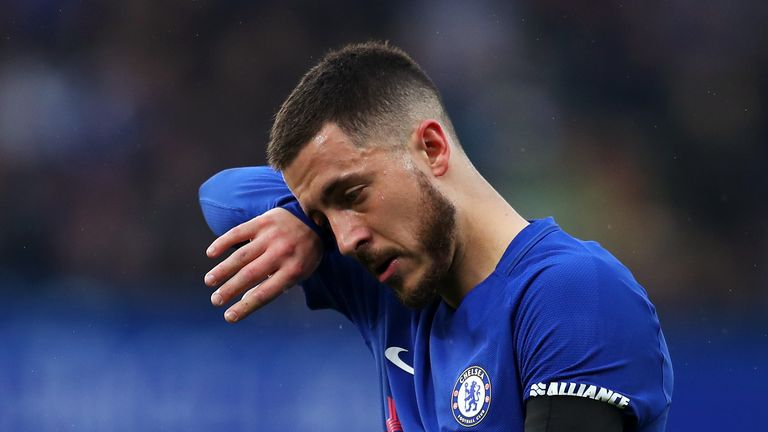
point(396, 203)
point(401, 215)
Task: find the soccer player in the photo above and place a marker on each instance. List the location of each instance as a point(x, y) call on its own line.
point(478, 319)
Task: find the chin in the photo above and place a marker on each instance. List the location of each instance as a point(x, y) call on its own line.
point(416, 296)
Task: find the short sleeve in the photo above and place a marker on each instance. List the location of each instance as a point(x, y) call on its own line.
point(585, 328)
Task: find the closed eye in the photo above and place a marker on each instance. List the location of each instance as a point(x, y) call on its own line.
point(354, 195)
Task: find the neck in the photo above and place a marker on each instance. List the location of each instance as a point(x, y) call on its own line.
point(486, 224)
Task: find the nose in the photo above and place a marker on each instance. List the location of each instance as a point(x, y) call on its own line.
point(350, 231)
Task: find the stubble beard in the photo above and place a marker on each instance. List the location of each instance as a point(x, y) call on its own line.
point(437, 235)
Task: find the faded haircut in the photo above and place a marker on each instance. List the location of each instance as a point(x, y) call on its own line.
point(371, 89)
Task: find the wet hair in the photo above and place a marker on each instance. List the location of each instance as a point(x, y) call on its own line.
point(371, 89)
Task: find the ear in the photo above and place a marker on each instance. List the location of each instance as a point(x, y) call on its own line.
point(432, 142)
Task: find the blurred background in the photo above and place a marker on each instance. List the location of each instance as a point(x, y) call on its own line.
point(641, 125)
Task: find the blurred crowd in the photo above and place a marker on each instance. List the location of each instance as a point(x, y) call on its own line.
point(638, 125)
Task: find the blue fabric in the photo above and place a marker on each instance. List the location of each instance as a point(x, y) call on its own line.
point(237, 195)
point(558, 316)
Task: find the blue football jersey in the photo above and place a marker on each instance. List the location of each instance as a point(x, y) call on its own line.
point(557, 317)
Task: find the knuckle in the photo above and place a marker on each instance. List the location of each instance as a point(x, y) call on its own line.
point(235, 232)
point(241, 308)
point(250, 273)
point(267, 235)
point(259, 221)
point(242, 254)
point(285, 248)
point(224, 293)
point(257, 298)
point(293, 270)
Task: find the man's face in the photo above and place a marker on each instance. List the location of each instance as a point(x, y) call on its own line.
point(382, 210)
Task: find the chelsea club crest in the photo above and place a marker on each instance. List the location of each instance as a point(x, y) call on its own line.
point(471, 396)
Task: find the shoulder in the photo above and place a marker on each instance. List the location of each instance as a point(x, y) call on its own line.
point(585, 296)
point(574, 274)
point(584, 322)
point(543, 257)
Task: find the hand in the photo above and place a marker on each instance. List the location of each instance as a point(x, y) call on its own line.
point(280, 252)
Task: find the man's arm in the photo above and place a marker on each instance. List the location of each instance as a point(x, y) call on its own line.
point(237, 195)
point(590, 349)
point(252, 208)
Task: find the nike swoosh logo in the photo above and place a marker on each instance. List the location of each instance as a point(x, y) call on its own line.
point(393, 354)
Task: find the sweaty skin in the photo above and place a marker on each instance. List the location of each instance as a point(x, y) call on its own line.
point(334, 181)
point(386, 208)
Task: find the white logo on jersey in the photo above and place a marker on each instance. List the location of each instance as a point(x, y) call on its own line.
point(601, 394)
point(393, 354)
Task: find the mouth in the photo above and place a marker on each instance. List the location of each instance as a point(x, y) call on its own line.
point(386, 269)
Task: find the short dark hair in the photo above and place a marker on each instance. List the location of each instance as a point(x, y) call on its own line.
point(363, 88)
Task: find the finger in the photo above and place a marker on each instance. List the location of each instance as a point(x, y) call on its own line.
point(259, 296)
point(239, 234)
point(235, 262)
point(250, 275)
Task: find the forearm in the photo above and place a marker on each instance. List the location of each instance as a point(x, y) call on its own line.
point(235, 198)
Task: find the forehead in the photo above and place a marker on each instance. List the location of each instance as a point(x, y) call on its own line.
point(328, 156)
